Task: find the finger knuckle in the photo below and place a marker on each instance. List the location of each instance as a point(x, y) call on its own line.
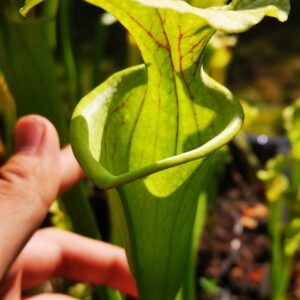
point(20, 170)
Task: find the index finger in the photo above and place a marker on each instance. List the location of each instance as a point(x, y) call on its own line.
point(71, 172)
point(52, 252)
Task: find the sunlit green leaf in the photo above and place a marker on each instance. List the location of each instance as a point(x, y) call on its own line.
point(292, 239)
point(276, 182)
point(206, 3)
point(292, 125)
point(275, 166)
point(8, 111)
point(29, 4)
point(277, 187)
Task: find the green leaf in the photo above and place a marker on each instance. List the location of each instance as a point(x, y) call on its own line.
point(8, 112)
point(275, 166)
point(29, 4)
point(147, 130)
point(257, 9)
point(292, 124)
point(276, 182)
point(28, 66)
point(239, 16)
point(206, 3)
point(292, 237)
point(206, 199)
point(25, 53)
point(131, 122)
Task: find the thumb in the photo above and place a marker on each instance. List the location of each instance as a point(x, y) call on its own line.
point(35, 168)
point(29, 181)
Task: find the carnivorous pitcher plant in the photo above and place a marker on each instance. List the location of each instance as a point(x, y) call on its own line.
point(146, 134)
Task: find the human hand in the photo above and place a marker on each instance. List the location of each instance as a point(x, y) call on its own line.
point(29, 182)
point(52, 252)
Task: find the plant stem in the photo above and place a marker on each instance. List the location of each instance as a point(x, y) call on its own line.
point(8, 109)
point(68, 56)
point(276, 247)
point(49, 9)
point(188, 291)
point(285, 277)
point(98, 49)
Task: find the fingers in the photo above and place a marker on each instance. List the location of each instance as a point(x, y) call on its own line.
point(49, 297)
point(52, 252)
point(10, 288)
point(29, 181)
point(70, 169)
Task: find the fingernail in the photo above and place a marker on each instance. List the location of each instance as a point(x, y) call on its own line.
point(29, 134)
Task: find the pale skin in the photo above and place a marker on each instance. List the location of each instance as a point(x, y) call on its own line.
point(29, 182)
